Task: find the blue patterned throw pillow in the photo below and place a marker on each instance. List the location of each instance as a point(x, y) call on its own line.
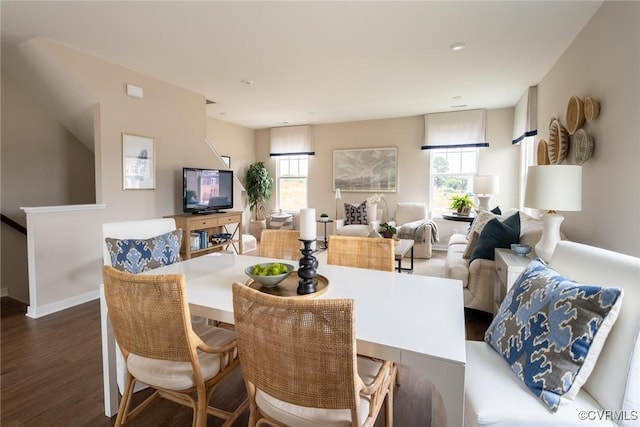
point(550, 330)
point(355, 214)
point(139, 255)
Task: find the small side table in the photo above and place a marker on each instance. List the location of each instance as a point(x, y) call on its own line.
point(453, 216)
point(508, 268)
point(325, 241)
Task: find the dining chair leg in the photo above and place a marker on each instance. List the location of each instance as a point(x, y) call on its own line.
point(123, 410)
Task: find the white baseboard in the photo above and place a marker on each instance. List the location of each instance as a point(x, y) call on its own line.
point(37, 312)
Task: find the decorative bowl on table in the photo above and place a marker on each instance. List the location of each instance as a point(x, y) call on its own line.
point(519, 249)
point(219, 238)
point(269, 274)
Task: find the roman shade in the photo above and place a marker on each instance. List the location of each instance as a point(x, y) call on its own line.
point(525, 117)
point(457, 129)
point(291, 140)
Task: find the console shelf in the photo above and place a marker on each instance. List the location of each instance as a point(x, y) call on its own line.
point(214, 223)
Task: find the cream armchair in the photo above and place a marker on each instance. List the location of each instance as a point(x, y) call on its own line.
point(413, 215)
point(363, 230)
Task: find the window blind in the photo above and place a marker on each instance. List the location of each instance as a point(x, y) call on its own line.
point(291, 140)
point(525, 116)
point(458, 129)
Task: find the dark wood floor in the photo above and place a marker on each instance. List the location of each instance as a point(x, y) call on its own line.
point(52, 375)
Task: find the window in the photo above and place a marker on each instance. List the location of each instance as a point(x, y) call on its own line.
point(292, 173)
point(452, 172)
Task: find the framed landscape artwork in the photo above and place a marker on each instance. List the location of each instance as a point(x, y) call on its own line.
point(366, 169)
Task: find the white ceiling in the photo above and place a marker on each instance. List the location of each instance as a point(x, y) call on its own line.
point(318, 62)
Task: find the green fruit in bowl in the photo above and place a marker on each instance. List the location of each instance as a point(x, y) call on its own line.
point(269, 274)
point(269, 269)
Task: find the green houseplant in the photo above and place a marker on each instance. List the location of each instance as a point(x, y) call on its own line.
point(387, 230)
point(324, 217)
point(462, 203)
point(259, 184)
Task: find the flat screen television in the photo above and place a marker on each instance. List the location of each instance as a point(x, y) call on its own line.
point(206, 190)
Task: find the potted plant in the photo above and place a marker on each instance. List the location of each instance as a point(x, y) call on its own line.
point(387, 230)
point(462, 203)
point(259, 184)
point(324, 217)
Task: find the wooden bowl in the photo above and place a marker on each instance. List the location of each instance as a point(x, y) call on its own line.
point(584, 146)
point(591, 109)
point(575, 114)
point(558, 145)
point(543, 155)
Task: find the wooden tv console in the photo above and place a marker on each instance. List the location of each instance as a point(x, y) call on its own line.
point(214, 223)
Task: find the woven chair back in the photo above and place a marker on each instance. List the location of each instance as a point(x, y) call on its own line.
point(150, 314)
point(298, 351)
point(361, 252)
point(282, 244)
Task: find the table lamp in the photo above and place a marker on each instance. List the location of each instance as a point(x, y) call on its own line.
point(553, 187)
point(484, 186)
point(338, 197)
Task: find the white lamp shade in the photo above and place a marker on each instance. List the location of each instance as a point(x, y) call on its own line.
point(338, 195)
point(554, 187)
point(486, 184)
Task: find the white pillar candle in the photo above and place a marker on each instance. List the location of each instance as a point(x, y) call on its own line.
point(308, 224)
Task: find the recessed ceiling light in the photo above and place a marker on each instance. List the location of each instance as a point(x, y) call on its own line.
point(457, 46)
point(246, 82)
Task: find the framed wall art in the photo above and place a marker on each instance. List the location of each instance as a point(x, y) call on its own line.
point(138, 162)
point(366, 169)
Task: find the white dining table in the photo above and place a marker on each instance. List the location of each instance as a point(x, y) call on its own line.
point(414, 320)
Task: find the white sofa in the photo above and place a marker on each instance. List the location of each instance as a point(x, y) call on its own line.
point(478, 276)
point(494, 396)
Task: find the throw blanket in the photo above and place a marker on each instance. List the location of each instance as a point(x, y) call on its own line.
point(416, 230)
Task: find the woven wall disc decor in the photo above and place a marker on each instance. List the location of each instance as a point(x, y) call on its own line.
point(575, 114)
point(558, 145)
point(542, 154)
point(591, 109)
point(584, 146)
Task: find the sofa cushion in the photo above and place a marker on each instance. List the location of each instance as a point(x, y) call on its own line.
point(497, 398)
point(139, 255)
point(355, 214)
point(550, 330)
point(497, 234)
point(410, 211)
point(468, 250)
point(480, 221)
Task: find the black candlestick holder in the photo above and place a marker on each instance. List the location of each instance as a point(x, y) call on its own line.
point(307, 271)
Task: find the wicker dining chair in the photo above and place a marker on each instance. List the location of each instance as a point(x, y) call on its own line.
point(282, 244)
point(300, 365)
point(152, 326)
point(361, 252)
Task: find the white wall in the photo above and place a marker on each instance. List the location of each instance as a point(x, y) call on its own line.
point(176, 120)
point(603, 62)
point(407, 134)
point(42, 164)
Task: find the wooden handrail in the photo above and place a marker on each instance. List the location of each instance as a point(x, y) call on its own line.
point(13, 224)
